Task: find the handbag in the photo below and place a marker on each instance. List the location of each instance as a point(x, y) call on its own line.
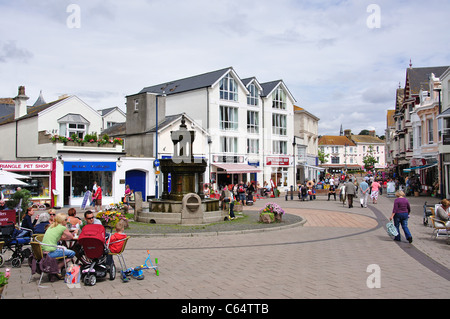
point(391, 229)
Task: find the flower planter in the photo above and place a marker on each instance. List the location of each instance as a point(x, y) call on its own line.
point(238, 208)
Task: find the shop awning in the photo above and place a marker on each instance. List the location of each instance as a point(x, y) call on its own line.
point(313, 167)
point(407, 170)
point(238, 168)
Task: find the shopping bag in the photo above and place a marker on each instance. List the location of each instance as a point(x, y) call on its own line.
point(391, 229)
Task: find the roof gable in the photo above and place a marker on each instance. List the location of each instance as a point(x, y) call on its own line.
point(417, 78)
point(270, 87)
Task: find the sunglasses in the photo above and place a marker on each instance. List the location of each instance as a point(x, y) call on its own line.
point(89, 218)
point(52, 214)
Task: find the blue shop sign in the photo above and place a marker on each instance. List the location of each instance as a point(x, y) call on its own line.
point(90, 166)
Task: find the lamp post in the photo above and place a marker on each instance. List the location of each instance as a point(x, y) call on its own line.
point(441, 156)
point(156, 162)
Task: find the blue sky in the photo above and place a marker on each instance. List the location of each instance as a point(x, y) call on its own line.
point(335, 63)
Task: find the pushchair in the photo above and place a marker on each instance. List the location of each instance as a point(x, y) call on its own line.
point(12, 250)
point(94, 252)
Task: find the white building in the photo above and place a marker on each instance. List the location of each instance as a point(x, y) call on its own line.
point(60, 170)
point(250, 124)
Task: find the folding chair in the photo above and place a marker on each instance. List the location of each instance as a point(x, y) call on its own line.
point(38, 255)
point(119, 255)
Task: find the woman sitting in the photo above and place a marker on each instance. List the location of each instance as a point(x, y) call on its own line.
point(57, 231)
point(42, 224)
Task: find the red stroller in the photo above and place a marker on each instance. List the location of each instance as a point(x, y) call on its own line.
point(95, 253)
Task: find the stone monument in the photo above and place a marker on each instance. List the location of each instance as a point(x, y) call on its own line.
point(185, 202)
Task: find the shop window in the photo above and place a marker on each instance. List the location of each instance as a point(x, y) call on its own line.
point(83, 181)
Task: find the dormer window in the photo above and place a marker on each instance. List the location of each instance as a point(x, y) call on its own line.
point(253, 97)
point(228, 89)
point(279, 99)
point(73, 124)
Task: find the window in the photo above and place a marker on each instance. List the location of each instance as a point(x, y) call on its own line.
point(430, 131)
point(252, 122)
point(279, 124)
point(279, 147)
point(419, 135)
point(252, 146)
point(228, 118)
point(279, 99)
point(136, 105)
point(78, 129)
point(228, 88)
point(228, 144)
point(335, 160)
point(253, 97)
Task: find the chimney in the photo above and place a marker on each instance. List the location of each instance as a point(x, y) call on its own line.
point(348, 133)
point(20, 102)
point(372, 133)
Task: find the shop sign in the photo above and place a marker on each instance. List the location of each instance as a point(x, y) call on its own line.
point(280, 161)
point(89, 166)
point(26, 166)
point(7, 217)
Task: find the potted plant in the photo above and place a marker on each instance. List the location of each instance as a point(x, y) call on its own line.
point(272, 212)
point(4, 276)
point(111, 217)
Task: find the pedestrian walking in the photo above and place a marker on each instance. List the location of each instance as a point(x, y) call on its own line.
point(364, 190)
point(375, 186)
point(350, 191)
point(400, 215)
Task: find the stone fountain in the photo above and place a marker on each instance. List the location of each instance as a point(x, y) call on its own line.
point(185, 202)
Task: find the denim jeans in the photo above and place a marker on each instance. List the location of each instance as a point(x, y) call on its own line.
point(402, 218)
point(59, 253)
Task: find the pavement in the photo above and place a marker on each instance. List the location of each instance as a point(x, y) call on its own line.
point(335, 252)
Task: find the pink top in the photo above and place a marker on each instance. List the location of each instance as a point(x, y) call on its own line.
point(375, 186)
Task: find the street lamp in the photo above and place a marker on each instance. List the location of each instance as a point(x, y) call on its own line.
point(156, 143)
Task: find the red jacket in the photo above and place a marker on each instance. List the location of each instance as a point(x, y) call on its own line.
point(98, 193)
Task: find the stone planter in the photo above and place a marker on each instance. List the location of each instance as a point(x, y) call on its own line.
point(268, 218)
point(238, 208)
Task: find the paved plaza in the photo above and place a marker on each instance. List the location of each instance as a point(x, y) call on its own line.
point(339, 252)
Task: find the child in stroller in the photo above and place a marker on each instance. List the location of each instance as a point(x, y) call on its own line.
point(94, 252)
point(13, 243)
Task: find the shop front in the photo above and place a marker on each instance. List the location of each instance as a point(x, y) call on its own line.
point(40, 177)
point(228, 170)
point(280, 169)
point(80, 177)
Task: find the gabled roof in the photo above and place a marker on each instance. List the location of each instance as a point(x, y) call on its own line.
point(31, 111)
point(251, 80)
point(335, 140)
point(269, 87)
point(187, 84)
point(108, 110)
point(417, 78)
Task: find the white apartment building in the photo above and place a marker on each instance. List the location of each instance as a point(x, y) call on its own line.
point(250, 124)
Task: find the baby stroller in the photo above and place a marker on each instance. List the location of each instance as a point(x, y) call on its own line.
point(94, 255)
point(13, 246)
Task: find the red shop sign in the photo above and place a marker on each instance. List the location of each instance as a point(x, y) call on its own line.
point(7, 217)
point(281, 161)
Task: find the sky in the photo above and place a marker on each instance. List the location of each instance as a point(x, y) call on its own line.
point(341, 60)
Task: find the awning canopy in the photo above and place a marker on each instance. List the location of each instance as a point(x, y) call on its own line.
point(406, 170)
point(311, 166)
point(238, 168)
